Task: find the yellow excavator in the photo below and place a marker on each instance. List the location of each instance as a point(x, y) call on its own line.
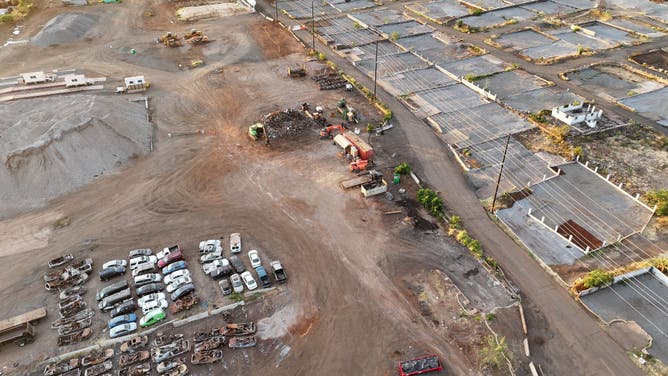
point(170, 40)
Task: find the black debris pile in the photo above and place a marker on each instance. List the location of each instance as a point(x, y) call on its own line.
point(329, 81)
point(289, 122)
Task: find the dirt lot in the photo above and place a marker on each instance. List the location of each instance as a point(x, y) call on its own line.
point(345, 309)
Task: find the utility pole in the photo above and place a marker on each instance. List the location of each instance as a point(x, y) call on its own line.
point(276, 9)
point(313, 26)
point(498, 180)
point(375, 70)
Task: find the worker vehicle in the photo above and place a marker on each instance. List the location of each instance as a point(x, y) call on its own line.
point(263, 276)
point(140, 252)
point(235, 242)
point(347, 113)
point(171, 268)
point(254, 258)
point(279, 273)
point(237, 284)
point(170, 40)
point(249, 281)
point(167, 250)
point(111, 289)
point(295, 72)
point(122, 330)
point(195, 36)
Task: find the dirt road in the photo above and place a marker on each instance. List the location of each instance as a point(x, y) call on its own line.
point(565, 335)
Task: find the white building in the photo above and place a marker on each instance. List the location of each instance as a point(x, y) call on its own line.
point(72, 80)
point(33, 78)
point(576, 113)
point(136, 83)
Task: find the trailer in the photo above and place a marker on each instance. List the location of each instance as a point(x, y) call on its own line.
point(20, 329)
point(417, 366)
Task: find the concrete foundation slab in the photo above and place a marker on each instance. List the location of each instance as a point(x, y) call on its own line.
point(440, 10)
point(509, 83)
point(378, 17)
point(487, 4)
point(651, 105)
point(637, 27)
point(640, 299)
point(554, 50)
point(368, 51)
point(498, 17)
point(609, 33)
point(603, 79)
point(448, 53)
point(416, 80)
point(548, 246)
point(582, 39)
point(477, 66)
point(477, 125)
point(541, 99)
point(451, 98)
point(593, 203)
point(404, 29)
point(524, 39)
point(389, 65)
point(420, 43)
point(578, 4)
point(550, 8)
point(344, 6)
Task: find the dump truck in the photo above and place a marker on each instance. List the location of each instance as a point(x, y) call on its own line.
point(19, 329)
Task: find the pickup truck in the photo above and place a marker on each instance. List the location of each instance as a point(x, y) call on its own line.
point(279, 273)
point(264, 277)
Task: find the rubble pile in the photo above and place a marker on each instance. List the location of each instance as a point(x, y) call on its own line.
point(289, 122)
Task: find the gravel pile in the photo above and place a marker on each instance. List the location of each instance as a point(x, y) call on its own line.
point(65, 28)
point(287, 123)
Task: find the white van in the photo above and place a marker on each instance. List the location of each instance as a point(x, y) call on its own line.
point(235, 242)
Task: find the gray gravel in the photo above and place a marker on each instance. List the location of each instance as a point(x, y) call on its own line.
point(65, 28)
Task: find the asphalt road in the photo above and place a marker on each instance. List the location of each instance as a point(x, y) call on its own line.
point(579, 345)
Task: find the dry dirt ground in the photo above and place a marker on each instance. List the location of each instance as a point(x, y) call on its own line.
point(346, 309)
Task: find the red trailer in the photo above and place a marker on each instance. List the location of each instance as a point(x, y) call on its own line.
point(417, 366)
point(364, 150)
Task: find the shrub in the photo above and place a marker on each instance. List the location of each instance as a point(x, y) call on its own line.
point(577, 151)
point(597, 277)
point(236, 297)
point(388, 116)
point(370, 128)
point(403, 169)
point(493, 352)
point(394, 35)
point(660, 263)
point(660, 199)
point(476, 12)
point(321, 56)
point(455, 222)
point(6, 18)
point(463, 237)
point(430, 200)
point(475, 247)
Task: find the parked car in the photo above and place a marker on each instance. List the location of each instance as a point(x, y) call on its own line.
point(122, 330)
point(254, 258)
point(123, 308)
point(144, 279)
point(178, 282)
point(279, 272)
point(168, 250)
point(220, 273)
point(140, 252)
point(237, 285)
point(108, 303)
point(111, 272)
point(150, 288)
point(208, 257)
point(263, 276)
point(171, 268)
point(111, 289)
point(111, 263)
point(155, 296)
point(237, 264)
point(209, 246)
point(123, 319)
point(235, 242)
point(225, 286)
point(249, 281)
point(182, 291)
point(139, 260)
point(152, 317)
point(144, 268)
point(170, 258)
point(153, 304)
point(179, 273)
point(223, 263)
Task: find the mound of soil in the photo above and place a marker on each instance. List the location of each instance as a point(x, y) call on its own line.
point(65, 28)
point(49, 146)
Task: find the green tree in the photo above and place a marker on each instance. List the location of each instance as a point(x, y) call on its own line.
point(403, 169)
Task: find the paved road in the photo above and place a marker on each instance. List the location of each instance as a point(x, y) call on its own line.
point(579, 345)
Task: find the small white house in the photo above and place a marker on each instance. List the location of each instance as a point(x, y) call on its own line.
point(33, 78)
point(137, 83)
point(576, 113)
point(73, 80)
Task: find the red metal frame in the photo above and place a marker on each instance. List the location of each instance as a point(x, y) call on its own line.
point(439, 368)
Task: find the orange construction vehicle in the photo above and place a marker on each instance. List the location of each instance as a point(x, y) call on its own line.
point(360, 164)
point(327, 131)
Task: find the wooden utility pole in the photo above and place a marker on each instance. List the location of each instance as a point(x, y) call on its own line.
point(498, 179)
point(375, 70)
point(312, 26)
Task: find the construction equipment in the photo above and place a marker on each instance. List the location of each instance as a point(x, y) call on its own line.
point(295, 72)
point(19, 329)
point(327, 131)
point(376, 186)
point(347, 113)
point(359, 164)
point(195, 36)
point(170, 40)
point(318, 115)
point(256, 131)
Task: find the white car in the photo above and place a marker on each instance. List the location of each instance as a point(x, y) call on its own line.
point(235, 242)
point(178, 282)
point(179, 273)
point(143, 268)
point(208, 257)
point(153, 304)
point(237, 285)
point(213, 245)
point(249, 281)
point(146, 298)
point(215, 264)
point(254, 258)
point(144, 279)
point(122, 330)
point(111, 263)
point(140, 260)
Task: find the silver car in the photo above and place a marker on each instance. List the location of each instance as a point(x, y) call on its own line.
point(237, 285)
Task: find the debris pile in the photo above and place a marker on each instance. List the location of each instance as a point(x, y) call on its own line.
point(289, 122)
point(329, 81)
